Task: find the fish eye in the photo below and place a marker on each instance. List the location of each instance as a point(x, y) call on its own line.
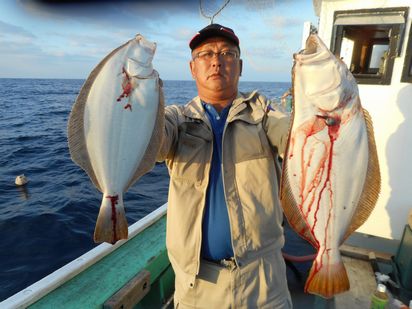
point(330, 121)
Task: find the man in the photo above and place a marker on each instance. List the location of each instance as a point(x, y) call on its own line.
point(286, 100)
point(224, 233)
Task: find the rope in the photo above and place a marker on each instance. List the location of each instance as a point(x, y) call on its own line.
point(299, 259)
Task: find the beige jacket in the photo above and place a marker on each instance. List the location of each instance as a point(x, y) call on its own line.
point(252, 140)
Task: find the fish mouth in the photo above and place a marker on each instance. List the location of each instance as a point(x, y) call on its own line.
point(314, 51)
point(311, 45)
point(149, 46)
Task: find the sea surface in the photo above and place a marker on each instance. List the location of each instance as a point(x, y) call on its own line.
point(50, 221)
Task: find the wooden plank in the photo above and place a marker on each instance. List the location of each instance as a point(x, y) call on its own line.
point(362, 285)
point(363, 254)
point(410, 219)
point(129, 295)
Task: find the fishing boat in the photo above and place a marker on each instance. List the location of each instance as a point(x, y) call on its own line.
point(133, 273)
point(374, 39)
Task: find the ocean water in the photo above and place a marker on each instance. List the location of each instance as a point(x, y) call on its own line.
point(50, 221)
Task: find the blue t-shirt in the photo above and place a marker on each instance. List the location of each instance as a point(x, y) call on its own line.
point(216, 236)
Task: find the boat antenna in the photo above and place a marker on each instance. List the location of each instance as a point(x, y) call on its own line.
point(211, 11)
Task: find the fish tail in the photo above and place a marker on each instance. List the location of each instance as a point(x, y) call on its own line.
point(111, 224)
point(327, 280)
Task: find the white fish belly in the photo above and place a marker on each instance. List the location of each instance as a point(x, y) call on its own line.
point(117, 137)
point(327, 172)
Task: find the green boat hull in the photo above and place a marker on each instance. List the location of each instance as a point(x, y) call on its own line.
point(110, 275)
point(92, 287)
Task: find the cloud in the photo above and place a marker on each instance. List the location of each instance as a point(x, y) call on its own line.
point(9, 47)
point(92, 45)
point(119, 13)
point(182, 34)
point(73, 36)
point(16, 40)
point(44, 66)
point(19, 46)
point(7, 29)
point(260, 6)
point(284, 22)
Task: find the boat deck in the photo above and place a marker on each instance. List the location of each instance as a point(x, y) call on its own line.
point(360, 272)
point(362, 285)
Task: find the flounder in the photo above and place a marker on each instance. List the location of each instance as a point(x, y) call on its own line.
point(331, 179)
point(115, 129)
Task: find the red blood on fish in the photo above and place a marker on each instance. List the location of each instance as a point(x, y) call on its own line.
point(102, 135)
point(114, 200)
point(330, 180)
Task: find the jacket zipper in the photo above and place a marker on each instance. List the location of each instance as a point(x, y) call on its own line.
point(224, 190)
point(203, 207)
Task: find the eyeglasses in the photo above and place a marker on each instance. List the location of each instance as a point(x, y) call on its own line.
point(207, 55)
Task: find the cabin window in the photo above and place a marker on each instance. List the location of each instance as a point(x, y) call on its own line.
point(368, 41)
point(407, 67)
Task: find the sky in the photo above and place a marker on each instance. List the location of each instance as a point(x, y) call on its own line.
point(67, 39)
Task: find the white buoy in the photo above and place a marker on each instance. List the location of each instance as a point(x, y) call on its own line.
point(21, 180)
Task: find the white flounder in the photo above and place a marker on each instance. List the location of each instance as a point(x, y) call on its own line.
point(331, 178)
point(115, 129)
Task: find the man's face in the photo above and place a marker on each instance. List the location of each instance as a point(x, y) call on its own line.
point(216, 74)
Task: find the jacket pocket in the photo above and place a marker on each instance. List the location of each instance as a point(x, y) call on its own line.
point(192, 152)
point(249, 141)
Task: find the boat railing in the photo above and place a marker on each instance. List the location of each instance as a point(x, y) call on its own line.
point(39, 289)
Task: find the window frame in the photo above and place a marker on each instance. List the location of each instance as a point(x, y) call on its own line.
point(407, 64)
point(396, 35)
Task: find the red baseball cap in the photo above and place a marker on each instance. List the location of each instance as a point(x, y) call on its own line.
point(213, 30)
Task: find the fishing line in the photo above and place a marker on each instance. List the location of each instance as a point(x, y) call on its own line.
point(211, 7)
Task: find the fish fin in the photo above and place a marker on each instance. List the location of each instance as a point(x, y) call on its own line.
point(76, 138)
point(75, 127)
point(288, 203)
point(149, 158)
point(372, 186)
point(291, 210)
point(111, 224)
point(328, 280)
point(296, 220)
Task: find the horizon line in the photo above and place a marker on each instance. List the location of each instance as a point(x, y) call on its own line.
point(174, 80)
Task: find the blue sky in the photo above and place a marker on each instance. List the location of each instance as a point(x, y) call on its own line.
point(44, 39)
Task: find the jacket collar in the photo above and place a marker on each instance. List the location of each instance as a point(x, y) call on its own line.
point(194, 108)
